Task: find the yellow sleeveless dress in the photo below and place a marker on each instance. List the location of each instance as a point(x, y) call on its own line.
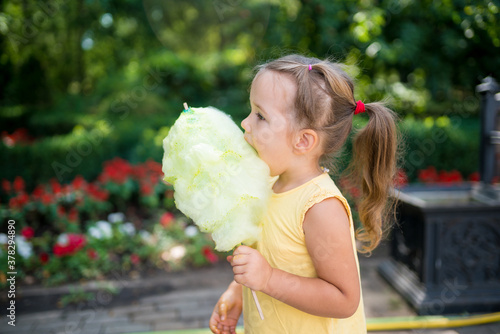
point(283, 245)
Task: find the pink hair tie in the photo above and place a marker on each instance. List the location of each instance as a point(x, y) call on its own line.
point(310, 67)
point(360, 108)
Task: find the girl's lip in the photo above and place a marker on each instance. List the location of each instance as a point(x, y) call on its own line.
point(249, 141)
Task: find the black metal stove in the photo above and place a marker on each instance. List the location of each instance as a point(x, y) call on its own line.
point(445, 247)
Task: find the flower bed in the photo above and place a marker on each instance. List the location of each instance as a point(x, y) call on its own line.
point(124, 220)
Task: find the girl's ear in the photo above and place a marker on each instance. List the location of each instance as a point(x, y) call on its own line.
point(305, 141)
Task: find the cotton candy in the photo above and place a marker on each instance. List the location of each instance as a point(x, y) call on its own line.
point(218, 178)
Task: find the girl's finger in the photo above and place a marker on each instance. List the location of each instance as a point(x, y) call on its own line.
point(222, 311)
point(214, 329)
point(238, 270)
point(238, 259)
point(243, 250)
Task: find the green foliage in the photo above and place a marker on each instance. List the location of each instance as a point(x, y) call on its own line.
point(76, 295)
point(444, 143)
point(94, 80)
point(425, 55)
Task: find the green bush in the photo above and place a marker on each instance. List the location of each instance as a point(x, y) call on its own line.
point(447, 143)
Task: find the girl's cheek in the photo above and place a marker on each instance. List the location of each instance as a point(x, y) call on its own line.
point(264, 136)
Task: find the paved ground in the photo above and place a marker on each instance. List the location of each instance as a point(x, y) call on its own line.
point(189, 304)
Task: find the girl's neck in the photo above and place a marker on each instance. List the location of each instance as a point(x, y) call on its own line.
point(295, 177)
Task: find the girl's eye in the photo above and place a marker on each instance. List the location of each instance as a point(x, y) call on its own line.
point(259, 116)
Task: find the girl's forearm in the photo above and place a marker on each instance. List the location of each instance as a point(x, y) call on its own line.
point(311, 295)
point(236, 287)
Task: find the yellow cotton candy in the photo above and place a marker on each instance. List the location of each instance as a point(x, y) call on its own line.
point(218, 178)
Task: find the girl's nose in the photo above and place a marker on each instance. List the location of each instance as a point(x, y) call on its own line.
point(245, 125)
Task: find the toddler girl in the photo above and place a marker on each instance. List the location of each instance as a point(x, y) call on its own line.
point(305, 269)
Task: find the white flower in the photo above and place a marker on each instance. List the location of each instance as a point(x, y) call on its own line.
point(3, 239)
point(95, 233)
point(101, 230)
point(145, 236)
point(127, 228)
point(116, 217)
point(63, 239)
point(191, 231)
point(177, 252)
point(105, 228)
point(24, 248)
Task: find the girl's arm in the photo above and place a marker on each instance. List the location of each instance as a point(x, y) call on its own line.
point(335, 292)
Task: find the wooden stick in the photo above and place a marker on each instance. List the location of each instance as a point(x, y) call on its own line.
point(257, 304)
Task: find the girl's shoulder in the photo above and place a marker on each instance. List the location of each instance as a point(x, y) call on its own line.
point(323, 187)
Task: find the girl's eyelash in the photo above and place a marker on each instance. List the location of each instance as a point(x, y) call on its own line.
point(260, 116)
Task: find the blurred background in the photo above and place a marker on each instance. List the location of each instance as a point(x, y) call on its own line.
point(90, 88)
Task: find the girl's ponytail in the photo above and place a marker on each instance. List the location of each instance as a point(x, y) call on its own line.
point(372, 170)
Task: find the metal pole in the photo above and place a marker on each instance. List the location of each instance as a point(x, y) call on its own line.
point(489, 108)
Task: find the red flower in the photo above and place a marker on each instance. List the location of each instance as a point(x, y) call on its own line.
point(153, 179)
point(56, 186)
point(74, 244)
point(23, 199)
point(96, 193)
point(135, 259)
point(28, 232)
point(347, 185)
point(61, 211)
point(116, 170)
point(428, 175)
point(401, 178)
point(166, 219)
point(209, 254)
point(140, 172)
point(18, 136)
point(92, 254)
point(44, 258)
point(6, 186)
point(46, 199)
point(38, 192)
point(154, 166)
point(450, 177)
point(7, 139)
point(19, 201)
point(18, 184)
point(13, 203)
point(146, 189)
point(78, 182)
point(73, 215)
point(474, 177)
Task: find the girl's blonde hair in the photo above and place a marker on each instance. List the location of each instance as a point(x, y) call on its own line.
point(325, 103)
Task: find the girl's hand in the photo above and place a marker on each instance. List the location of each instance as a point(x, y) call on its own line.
point(226, 312)
point(250, 268)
